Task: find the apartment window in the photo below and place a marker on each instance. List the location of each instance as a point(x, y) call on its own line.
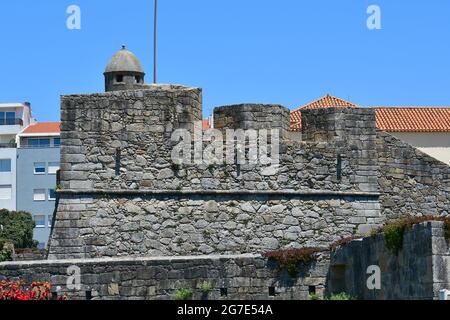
point(39, 168)
point(53, 167)
point(51, 194)
point(57, 142)
point(7, 118)
point(39, 143)
point(50, 220)
point(39, 220)
point(39, 194)
point(5, 165)
point(6, 192)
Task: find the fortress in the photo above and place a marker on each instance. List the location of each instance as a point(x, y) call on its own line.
point(140, 226)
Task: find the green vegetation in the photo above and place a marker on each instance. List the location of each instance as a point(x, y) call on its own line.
point(314, 296)
point(340, 296)
point(5, 255)
point(206, 287)
point(18, 228)
point(394, 230)
point(393, 236)
point(183, 294)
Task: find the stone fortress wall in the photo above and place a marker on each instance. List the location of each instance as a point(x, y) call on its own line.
point(122, 195)
point(140, 226)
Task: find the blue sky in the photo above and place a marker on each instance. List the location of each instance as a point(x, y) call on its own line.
point(285, 51)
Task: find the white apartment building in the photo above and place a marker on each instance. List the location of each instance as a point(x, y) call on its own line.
point(14, 117)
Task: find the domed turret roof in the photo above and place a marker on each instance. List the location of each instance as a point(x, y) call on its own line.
point(124, 61)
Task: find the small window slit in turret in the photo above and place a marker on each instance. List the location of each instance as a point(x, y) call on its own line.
point(118, 159)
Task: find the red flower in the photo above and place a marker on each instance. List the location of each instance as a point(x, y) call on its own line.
point(16, 290)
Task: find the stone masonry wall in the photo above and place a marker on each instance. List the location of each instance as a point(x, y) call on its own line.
point(246, 277)
point(197, 224)
point(121, 193)
point(321, 190)
point(421, 269)
point(411, 182)
point(352, 134)
point(252, 116)
point(132, 128)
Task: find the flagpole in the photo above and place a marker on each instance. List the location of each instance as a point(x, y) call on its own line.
point(154, 41)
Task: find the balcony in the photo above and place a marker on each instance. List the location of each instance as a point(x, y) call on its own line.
point(42, 146)
point(11, 122)
point(8, 145)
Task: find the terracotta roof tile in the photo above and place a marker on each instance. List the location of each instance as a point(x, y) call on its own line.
point(413, 119)
point(43, 127)
point(390, 119)
point(324, 102)
point(205, 124)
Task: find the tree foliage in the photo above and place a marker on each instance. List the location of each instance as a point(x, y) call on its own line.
point(18, 228)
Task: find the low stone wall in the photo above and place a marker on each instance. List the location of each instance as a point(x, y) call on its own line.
point(420, 270)
point(247, 277)
point(30, 254)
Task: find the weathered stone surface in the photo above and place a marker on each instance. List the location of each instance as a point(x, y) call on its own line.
point(135, 225)
point(122, 195)
point(246, 277)
point(412, 274)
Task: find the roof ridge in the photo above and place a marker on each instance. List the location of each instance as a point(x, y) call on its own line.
point(409, 107)
point(324, 97)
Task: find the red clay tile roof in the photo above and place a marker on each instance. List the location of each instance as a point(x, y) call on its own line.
point(413, 119)
point(205, 124)
point(43, 127)
point(329, 102)
point(324, 102)
point(390, 119)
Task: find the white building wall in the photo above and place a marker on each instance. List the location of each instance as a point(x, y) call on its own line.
point(436, 144)
point(8, 179)
point(22, 111)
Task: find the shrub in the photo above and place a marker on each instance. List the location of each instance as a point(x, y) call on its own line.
point(6, 250)
point(17, 227)
point(314, 296)
point(183, 294)
point(395, 230)
point(290, 259)
point(206, 287)
point(340, 296)
point(393, 236)
point(5, 255)
point(16, 290)
point(343, 242)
